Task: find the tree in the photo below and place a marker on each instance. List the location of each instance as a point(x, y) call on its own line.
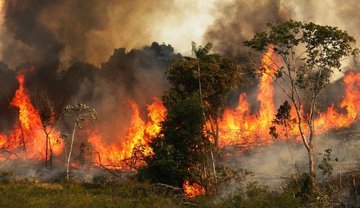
point(181, 147)
point(212, 76)
point(78, 114)
point(194, 102)
point(284, 120)
point(49, 118)
point(309, 54)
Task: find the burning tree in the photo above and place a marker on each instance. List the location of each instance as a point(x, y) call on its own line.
point(309, 54)
point(78, 113)
point(47, 111)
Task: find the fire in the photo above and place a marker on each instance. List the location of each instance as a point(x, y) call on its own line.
point(27, 134)
point(139, 133)
point(239, 126)
point(332, 119)
point(192, 190)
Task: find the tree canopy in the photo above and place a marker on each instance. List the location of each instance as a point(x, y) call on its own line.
point(309, 53)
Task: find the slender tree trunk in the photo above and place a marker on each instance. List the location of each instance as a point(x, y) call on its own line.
point(46, 149)
point(204, 117)
point(312, 169)
point(213, 165)
point(70, 151)
point(309, 148)
point(290, 151)
point(50, 155)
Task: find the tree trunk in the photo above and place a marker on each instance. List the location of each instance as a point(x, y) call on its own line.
point(50, 155)
point(70, 151)
point(46, 149)
point(309, 145)
point(312, 170)
point(213, 165)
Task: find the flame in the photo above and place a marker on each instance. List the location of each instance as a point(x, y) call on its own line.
point(139, 133)
point(332, 119)
point(239, 126)
point(192, 190)
point(28, 134)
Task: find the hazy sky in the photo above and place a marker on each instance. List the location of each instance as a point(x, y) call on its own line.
point(89, 30)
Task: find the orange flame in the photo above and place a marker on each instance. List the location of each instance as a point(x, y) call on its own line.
point(192, 190)
point(240, 127)
point(139, 134)
point(332, 119)
point(28, 133)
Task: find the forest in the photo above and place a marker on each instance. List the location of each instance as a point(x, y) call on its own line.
point(271, 120)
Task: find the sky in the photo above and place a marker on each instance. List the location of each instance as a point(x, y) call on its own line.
point(90, 30)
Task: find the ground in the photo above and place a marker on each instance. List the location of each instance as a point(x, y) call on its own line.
point(29, 194)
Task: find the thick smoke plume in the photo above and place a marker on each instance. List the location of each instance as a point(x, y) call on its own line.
point(238, 20)
point(71, 31)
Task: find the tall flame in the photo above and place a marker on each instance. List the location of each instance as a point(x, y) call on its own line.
point(139, 133)
point(27, 139)
point(332, 119)
point(238, 126)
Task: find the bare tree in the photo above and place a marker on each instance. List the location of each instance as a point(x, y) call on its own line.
point(49, 119)
point(78, 114)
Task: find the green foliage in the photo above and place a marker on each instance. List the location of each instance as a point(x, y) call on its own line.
point(325, 166)
point(199, 51)
point(218, 75)
point(283, 119)
point(253, 196)
point(308, 54)
point(210, 75)
point(181, 146)
point(322, 49)
point(198, 94)
point(125, 194)
point(300, 187)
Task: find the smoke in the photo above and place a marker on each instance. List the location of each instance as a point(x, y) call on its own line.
point(238, 20)
point(71, 31)
point(332, 13)
point(273, 164)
